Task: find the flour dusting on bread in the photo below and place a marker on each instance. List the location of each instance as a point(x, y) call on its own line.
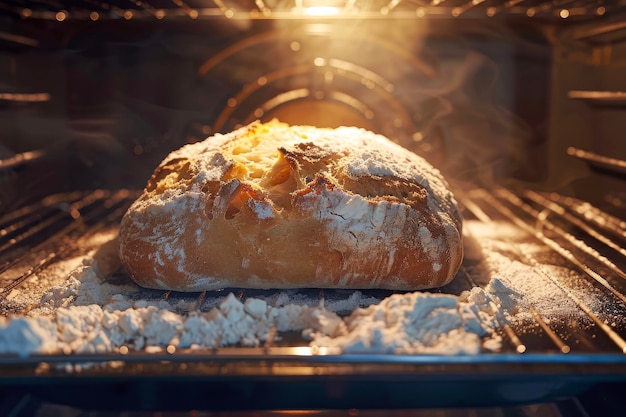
point(276, 206)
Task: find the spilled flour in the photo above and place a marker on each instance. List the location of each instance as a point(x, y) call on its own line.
point(416, 323)
point(402, 323)
point(86, 313)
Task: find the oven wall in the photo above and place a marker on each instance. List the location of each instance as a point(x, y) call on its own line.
point(589, 59)
point(482, 99)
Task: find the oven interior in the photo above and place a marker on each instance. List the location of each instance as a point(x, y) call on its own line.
point(519, 103)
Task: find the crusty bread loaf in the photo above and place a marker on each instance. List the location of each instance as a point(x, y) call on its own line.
point(277, 206)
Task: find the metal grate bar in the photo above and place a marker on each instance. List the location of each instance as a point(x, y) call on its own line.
point(513, 199)
point(475, 209)
point(30, 272)
point(13, 216)
point(8, 220)
point(34, 227)
point(29, 222)
point(544, 223)
point(113, 205)
point(564, 348)
point(260, 9)
point(515, 340)
point(614, 164)
point(512, 3)
point(116, 205)
point(561, 211)
point(390, 6)
point(601, 31)
point(192, 13)
point(145, 6)
point(263, 8)
point(222, 7)
point(592, 214)
point(457, 11)
point(30, 231)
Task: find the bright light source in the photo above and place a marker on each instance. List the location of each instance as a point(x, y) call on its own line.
point(322, 11)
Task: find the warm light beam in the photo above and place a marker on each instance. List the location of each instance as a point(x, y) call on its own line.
point(321, 11)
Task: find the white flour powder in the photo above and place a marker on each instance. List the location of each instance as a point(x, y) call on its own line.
point(410, 323)
point(497, 251)
point(416, 323)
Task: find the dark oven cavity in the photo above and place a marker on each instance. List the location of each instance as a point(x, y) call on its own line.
point(519, 103)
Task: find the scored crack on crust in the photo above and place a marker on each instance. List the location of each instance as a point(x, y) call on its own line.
point(276, 206)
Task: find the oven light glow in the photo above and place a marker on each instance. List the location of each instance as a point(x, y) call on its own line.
point(301, 351)
point(319, 8)
point(322, 11)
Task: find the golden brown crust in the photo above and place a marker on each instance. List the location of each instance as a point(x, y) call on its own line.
point(277, 206)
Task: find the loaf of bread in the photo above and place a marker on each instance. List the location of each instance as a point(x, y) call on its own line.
point(276, 206)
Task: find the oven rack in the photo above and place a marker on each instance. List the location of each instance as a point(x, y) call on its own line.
point(542, 358)
point(94, 10)
point(574, 233)
point(604, 163)
point(599, 98)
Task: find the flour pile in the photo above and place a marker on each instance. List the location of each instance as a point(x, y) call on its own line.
point(416, 323)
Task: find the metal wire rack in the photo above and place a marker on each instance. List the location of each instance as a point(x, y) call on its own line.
point(556, 355)
point(587, 241)
point(263, 9)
